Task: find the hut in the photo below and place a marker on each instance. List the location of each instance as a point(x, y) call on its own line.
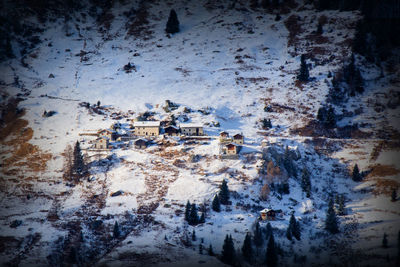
point(171, 130)
point(238, 139)
point(141, 143)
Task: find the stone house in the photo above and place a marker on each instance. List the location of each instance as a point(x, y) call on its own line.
point(171, 130)
point(102, 143)
point(147, 128)
point(191, 129)
point(110, 134)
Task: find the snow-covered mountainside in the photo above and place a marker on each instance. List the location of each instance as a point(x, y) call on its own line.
point(234, 66)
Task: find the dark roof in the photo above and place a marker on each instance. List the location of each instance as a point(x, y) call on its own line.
point(237, 136)
point(224, 133)
point(141, 142)
point(230, 145)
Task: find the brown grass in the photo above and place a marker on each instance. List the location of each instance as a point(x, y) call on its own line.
point(379, 170)
point(294, 29)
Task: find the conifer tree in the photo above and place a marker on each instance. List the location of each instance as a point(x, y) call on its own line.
point(268, 230)
point(394, 195)
point(116, 231)
point(258, 240)
point(306, 182)
point(331, 222)
point(216, 206)
point(341, 205)
point(202, 218)
point(194, 235)
point(385, 241)
point(187, 211)
point(247, 250)
point(228, 250)
point(193, 216)
point(210, 251)
point(304, 74)
point(330, 118)
point(224, 193)
point(319, 29)
point(201, 249)
point(79, 168)
point(271, 253)
point(172, 23)
point(289, 233)
point(356, 174)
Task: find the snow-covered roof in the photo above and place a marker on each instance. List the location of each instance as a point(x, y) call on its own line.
point(191, 125)
point(171, 126)
point(146, 124)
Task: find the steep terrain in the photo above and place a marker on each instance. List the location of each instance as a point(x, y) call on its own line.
point(230, 67)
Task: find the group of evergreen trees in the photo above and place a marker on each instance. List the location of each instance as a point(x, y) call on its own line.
point(191, 214)
point(221, 198)
point(229, 256)
point(75, 166)
point(331, 221)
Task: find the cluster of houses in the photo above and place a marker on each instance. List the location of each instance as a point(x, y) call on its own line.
point(230, 146)
point(143, 131)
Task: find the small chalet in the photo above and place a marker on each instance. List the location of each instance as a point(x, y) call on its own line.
point(102, 143)
point(191, 129)
point(111, 135)
point(147, 128)
point(141, 143)
point(238, 139)
point(269, 214)
point(223, 136)
point(230, 149)
point(171, 130)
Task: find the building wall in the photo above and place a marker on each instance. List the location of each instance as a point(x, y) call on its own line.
point(231, 152)
point(192, 131)
point(147, 131)
point(101, 144)
point(238, 141)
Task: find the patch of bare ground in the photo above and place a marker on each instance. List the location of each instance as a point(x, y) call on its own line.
point(294, 28)
point(315, 129)
point(20, 156)
point(384, 145)
point(138, 23)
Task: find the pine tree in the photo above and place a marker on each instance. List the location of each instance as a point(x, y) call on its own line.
point(306, 182)
point(257, 236)
point(172, 23)
point(289, 233)
point(228, 251)
point(341, 205)
point(79, 168)
point(224, 193)
point(296, 229)
point(356, 174)
point(194, 235)
point(319, 29)
point(246, 248)
point(216, 206)
point(394, 195)
point(210, 251)
point(201, 249)
point(116, 231)
point(385, 241)
point(304, 74)
point(271, 253)
point(193, 216)
point(331, 222)
point(187, 211)
point(330, 118)
point(202, 218)
point(268, 230)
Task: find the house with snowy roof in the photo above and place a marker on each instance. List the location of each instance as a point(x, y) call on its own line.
point(147, 128)
point(102, 143)
point(191, 129)
point(171, 130)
